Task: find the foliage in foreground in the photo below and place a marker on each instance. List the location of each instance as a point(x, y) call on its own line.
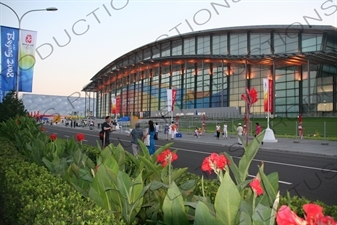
point(31, 195)
point(11, 107)
point(143, 191)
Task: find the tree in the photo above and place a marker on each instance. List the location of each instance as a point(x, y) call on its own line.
point(11, 107)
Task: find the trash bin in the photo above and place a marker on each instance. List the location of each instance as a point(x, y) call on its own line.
point(98, 125)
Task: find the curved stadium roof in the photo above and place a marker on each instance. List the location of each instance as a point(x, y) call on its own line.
point(329, 56)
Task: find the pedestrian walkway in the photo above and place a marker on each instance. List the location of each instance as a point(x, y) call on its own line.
point(318, 147)
point(313, 147)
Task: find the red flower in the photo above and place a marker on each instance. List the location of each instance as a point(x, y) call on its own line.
point(326, 220)
point(166, 157)
point(214, 162)
point(80, 137)
point(313, 213)
point(43, 129)
point(96, 168)
point(314, 216)
point(250, 96)
point(255, 184)
point(285, 216)
point(53, 137)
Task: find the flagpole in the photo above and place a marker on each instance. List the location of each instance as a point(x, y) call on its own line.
point(268, 113)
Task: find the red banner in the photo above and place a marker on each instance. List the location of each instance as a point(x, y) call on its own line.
point(271, 97)
point(118, 104)
point(268, 97)
point(174, 96)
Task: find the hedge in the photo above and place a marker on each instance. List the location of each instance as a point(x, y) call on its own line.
point(31, 195)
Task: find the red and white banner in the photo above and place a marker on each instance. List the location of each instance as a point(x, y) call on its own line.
point(171, 98)
point(113, 105)
point(268, 95)
point(118, 104)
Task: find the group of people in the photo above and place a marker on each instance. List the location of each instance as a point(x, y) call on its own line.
point(242, 131)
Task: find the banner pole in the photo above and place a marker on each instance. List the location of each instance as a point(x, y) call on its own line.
point(268, 106)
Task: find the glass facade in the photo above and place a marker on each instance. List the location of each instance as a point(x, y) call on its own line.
point(212, 69)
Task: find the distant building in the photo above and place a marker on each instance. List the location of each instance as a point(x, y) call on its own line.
point(63, 105)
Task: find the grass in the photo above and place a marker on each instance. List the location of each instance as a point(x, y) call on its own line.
point(283, 127)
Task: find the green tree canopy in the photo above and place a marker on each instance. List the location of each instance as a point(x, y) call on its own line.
point(11, 107)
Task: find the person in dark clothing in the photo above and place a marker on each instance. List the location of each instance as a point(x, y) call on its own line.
point(106, 128)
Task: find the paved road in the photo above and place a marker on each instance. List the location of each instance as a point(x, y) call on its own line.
point(311, 176)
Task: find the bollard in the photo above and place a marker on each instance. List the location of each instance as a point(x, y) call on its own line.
point(296, 127)
point(324, 131)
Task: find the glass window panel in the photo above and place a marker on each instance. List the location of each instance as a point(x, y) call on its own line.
point(220, 44)
point(177, 47)
point(189, 46)
point(165, 49)
point(203, 47)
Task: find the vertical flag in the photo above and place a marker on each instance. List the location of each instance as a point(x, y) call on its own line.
point(268, 95)
point(118, 104)
point(174, 96)
point(27, 59)
point(9, 60)
point(113, 105)
point(171, 98)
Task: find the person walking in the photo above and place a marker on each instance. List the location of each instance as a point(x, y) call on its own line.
point(196, 132)
point(156, 127)
point(239, 130)
point(166, 131)
point(225, 130)
point(150, 131)
point(106, 128)
point(217, 131)
point(258, 130)
point(136, 134)
point(173, 129)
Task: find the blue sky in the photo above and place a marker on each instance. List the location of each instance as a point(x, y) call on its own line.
point(131, 24)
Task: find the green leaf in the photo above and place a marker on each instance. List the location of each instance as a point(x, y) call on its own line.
point(176, 173)
point(261, 216)
point(227, 201)
point(203, 216)
point(124, 185)
point(269, 183)
point(173, 207)
point(247, 158)
point(233, 167)
point(245, 219)
point(150, 166)
point(274, 209)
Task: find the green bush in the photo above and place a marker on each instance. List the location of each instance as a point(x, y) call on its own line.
point(31, 195)
point(11, 107)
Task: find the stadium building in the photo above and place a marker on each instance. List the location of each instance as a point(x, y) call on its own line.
point(64, 106)
point(210, 70)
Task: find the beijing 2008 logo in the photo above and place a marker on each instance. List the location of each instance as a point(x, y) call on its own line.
point(29, 39)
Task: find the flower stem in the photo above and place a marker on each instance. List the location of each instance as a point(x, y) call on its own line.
point(253, 206)
point(202, 186)
point(170, 173)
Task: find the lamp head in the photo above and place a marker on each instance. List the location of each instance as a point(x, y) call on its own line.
point(51, 9)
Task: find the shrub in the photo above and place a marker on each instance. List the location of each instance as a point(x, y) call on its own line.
point(31, 195)
point(11, 107)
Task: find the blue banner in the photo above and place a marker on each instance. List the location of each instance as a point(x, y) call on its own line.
point(9, 60)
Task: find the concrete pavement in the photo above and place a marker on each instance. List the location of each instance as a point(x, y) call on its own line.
point(304, 146)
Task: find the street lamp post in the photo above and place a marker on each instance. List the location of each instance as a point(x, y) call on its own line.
point(19, 20)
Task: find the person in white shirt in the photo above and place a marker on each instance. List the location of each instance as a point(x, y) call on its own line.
point(156, 129)
point(239, 131)
point(196, 132)
point(217, 131)
point(225, 130)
